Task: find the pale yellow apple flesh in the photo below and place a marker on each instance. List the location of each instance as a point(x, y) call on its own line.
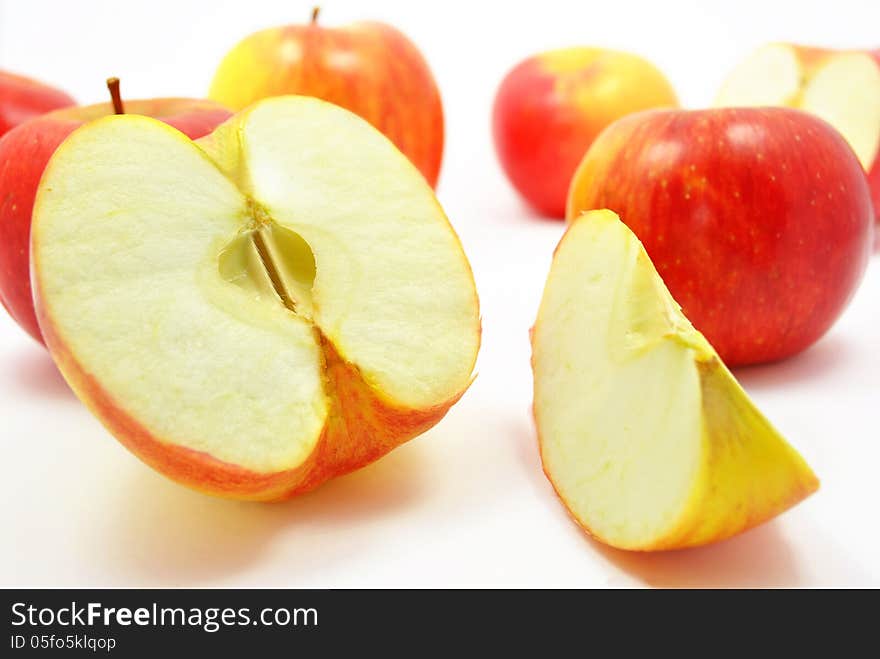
point(648, 439)
point(200, 283)
point(845, 92)
point(842, 88)
point(769, 76)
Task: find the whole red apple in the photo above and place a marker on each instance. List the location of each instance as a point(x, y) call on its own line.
point(24, 152)
point(369, 68)
point(759, 220)
point(550, 108)
point(23, 98)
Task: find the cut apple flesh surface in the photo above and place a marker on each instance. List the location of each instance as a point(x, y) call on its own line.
point(844, 90)
point(196, 284)
point(644, 433)
point(769, 76)
point(608, 418)
point(393, 290)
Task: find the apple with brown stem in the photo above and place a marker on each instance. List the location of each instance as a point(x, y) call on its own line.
point(369, 68)
point(24, 152)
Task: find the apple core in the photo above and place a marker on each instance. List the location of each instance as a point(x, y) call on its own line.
point(272, 261)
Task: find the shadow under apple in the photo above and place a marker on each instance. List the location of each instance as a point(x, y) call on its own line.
point(524, 438)
point(758, 558)
point(818, 361)
point(165, 534)
point(32, 370)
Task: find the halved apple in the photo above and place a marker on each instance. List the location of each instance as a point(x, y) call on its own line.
point(841, 87)
point(253, 313)
point(646, 436)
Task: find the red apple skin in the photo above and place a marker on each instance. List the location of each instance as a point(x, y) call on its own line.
point(551, 106)
point(759, 220)
point(22, 99)
point(24, 153)
point(874, 184)
point(369, 68)
point(812, 58)
point(874, 171)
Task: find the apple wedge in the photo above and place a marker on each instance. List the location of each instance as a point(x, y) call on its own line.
point(278, 303)
point(646, 436)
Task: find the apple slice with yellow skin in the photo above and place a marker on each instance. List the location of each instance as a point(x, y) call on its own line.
point(646, 436)
point(253, 313)
point(840, 86)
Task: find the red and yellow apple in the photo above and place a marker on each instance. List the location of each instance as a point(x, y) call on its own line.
point(647, 438)
point(550, 108)
point(842, 87)
point(273, 305)
point(759, 220)
point(23, 98)
point(24, 152)
point(369, 68)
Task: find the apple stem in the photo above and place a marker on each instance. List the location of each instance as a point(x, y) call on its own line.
point(315, 12)
point(113, 86)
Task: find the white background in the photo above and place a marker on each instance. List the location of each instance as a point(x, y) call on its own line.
point(466, 504)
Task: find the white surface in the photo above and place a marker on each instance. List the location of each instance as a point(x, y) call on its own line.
point(466, 504)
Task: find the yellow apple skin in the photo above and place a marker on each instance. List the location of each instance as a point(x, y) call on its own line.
point(370, 68)
point(745, 480)
point(748, 472)
point(747, 477)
